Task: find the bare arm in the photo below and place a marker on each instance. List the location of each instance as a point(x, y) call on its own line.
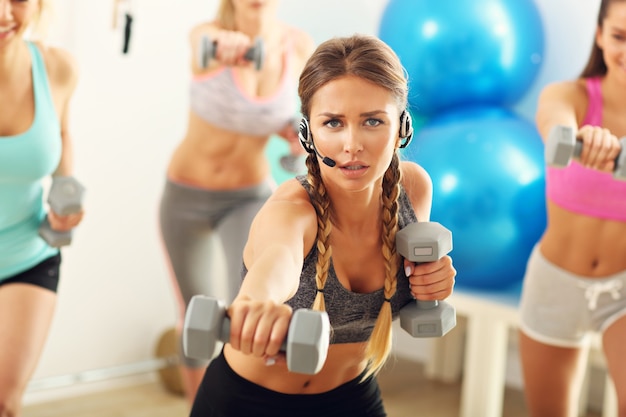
point(282, 231)
point(63, 76)
point(63, 73)
point(560, 104)
point(429, 280)
point(565, 104)
point(419, 188)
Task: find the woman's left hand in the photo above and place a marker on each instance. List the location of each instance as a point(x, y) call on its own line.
point(431, 280)
point(64, 223)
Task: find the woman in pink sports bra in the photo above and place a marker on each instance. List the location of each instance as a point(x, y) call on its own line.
point(575, 280)
point(219, 177)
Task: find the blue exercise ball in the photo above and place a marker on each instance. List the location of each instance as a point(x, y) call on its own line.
point(460, 52)
point(488, 175)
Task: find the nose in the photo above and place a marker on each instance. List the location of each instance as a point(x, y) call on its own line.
point(6, 13)
point(352, 141)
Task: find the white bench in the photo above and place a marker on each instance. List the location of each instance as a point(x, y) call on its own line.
point(477, 351)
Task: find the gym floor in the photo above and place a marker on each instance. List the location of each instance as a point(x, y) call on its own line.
point(406, 392)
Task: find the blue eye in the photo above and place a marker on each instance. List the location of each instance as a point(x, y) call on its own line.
point(373, 122)
point(333, 123)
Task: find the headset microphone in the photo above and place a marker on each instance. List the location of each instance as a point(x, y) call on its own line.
point(329, 162)
point(306, 140)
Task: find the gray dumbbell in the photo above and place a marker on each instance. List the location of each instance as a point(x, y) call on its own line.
point(306, 346)
point(295, 164)
point(562, 146)
point(65, 198)
point(208, 49)
point(425, 242)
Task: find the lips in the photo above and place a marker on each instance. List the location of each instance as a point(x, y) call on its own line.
point(4, 31)
point(353, 167)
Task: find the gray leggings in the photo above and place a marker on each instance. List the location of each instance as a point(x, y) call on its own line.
point(191, 219)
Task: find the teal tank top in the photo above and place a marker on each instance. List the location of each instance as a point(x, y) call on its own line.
point(25, 159)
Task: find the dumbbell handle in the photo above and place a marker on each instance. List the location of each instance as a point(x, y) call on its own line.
point(578, 149)
point(64, 189)
point(306, 344)
point(64, 198)
point(565, 135)
point(208, 49)
point(225, 333)
point(424, 242)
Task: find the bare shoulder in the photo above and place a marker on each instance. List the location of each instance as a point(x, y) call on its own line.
point(61, 66)
point(292, 193)
point(563, 102)
point(290, 205)
point(564, 91)
point(418, 187)
point(287, 212)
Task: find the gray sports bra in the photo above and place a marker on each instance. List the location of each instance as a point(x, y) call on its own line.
point(352, 315)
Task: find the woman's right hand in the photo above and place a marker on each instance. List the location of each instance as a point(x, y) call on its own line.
point(258, 328)
point(600, 148)
point(231, 47)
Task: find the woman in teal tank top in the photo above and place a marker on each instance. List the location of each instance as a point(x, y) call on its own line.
point(36, 84)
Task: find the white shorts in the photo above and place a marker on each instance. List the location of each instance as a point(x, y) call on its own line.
point(561, 309)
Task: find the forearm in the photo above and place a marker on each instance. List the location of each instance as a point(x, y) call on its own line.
point(66, 164)
point(274, 275)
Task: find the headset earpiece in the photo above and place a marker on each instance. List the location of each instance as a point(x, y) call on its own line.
point(304, 134)
point(406, 128)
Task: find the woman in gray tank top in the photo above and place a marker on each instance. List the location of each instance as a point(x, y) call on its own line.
point(330, 237)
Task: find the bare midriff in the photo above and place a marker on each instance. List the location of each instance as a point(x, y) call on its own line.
point(583, 245)
point(344, 362)
point(217, 159)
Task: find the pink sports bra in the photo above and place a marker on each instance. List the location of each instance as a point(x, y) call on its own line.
point(219, 99)
point(583, 190)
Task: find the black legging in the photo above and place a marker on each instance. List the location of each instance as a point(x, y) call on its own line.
point(45, 274)
point(223, 393)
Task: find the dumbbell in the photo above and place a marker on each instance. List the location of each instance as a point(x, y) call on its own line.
point(425, 242)
point(208, 49)
point(296, 164)
point(562, 146)
point(65, 198)
point(306, 346)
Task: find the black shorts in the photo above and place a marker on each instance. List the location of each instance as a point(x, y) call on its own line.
point(45, 274)
point(223, 393)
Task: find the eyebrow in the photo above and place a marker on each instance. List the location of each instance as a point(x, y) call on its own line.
point(366, 114)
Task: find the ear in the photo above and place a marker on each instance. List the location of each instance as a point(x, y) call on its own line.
point(599, 40)
point(406, 128)
point(304, 134)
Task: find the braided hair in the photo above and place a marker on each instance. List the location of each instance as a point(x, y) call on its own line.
point(369, 58)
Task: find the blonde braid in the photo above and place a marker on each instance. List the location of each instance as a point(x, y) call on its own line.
point(321, 202)
point(379, 344)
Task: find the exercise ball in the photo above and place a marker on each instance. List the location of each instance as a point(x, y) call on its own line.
point(487, 169)
point(459, 52)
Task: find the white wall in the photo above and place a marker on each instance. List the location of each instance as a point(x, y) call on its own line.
point(128, 113)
